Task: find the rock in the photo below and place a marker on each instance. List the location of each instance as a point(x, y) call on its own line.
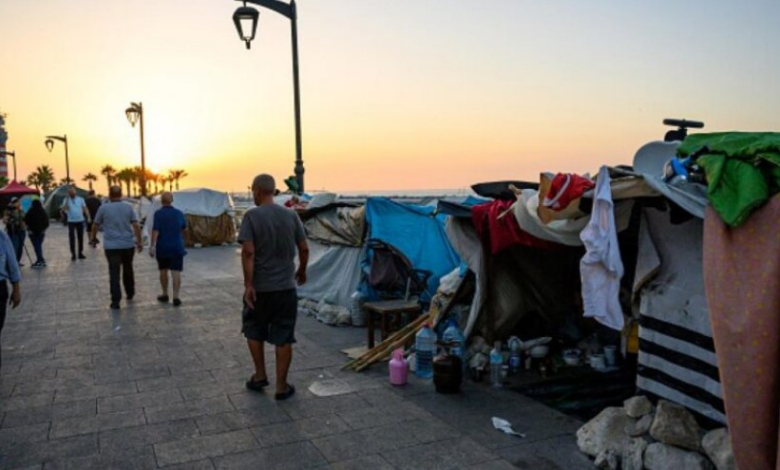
point(608, 460)
point(633, 454)
point(636, 407)
point(674, 425)
point(605, 431)
point(641, 427)
point(717, 445)
point(660, 456)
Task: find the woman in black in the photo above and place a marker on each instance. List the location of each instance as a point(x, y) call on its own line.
point(37, 221)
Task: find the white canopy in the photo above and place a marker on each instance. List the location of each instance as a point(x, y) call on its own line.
point(198, 201)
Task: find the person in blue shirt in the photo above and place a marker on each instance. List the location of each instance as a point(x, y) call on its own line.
point(9, 271)
point(167, 245)
point(77, 212)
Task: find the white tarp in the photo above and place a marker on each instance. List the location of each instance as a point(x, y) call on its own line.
point(196, 201)
point(333, 274)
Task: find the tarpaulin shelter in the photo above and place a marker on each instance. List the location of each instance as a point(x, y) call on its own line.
point(53, 199)
point(16, 189)
point(208, 213)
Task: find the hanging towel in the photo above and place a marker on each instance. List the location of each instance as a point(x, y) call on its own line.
point(601, 268)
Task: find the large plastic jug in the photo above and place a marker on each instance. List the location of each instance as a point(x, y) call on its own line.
point(425, 346)
point(398, 368)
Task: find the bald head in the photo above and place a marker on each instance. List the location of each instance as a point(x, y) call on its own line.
point(166, 198)
point(264, 183)
point(115, 192)
point(263, 188)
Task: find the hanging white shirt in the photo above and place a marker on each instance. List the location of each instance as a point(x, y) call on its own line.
point(601, 268)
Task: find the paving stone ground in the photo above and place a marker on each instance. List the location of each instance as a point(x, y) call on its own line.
point(153, 386)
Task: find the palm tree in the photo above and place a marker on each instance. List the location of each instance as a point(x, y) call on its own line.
point(65, 181)
point(176, 175)
point(33, 180)
point(3, 181)
point(109, 172)
point(89, 177)
point(43, 176)
point(125, 175)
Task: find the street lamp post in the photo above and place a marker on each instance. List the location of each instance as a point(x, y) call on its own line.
point(135, 113)
point(50, 145)
point(245, 19)
point(12, 155)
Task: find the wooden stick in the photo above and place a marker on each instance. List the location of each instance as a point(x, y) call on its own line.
point(386, 346)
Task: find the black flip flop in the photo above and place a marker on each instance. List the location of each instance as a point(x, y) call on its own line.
point(256, 385)
point(284, 396)
point(163, 298)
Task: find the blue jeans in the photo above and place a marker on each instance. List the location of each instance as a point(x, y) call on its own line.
point(17, 240)
point(37, 242)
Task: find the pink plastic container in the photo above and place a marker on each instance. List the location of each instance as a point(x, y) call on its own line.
point(399, 368)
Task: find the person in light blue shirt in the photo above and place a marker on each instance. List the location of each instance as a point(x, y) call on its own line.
point(121, 237)
point(9, 271)
point(76, 209)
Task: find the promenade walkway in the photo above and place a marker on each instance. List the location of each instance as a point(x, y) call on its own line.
point(152, 386)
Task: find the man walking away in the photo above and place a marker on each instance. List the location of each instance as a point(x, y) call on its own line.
point(121, 235)
point(93, 204)
point(37, 221)
point(269, 236)
point(14, 225)
point(76, 210)
point(168, 246)
point(9, 271)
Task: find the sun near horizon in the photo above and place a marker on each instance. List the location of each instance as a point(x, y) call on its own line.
point(395, 96)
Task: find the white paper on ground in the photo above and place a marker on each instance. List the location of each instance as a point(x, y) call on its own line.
point(506, 427)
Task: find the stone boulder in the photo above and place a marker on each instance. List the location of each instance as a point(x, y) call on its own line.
point(641, 427)
point(636, 407)
point(607, 460)
point(605, 431)
point(717, 445)
point(633, 454)
point(660, 456)
point(674, 425)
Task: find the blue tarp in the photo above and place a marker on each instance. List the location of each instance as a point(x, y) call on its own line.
point(417, 233)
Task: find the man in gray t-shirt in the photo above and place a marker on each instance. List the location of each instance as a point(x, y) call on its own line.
point(121, 237)
point(270, 235)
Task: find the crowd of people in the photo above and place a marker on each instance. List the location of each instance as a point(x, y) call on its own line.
point(270, 235)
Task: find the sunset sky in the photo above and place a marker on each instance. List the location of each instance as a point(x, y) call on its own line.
point(395, 94)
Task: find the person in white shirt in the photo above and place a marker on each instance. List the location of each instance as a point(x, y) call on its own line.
point(77, 212)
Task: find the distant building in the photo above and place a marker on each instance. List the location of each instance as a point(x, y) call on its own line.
point(3, 140)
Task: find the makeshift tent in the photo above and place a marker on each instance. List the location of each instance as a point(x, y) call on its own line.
point(53, 199)
point(208, 214)
point(335, 236)
point(15, 189)
point(418, 232)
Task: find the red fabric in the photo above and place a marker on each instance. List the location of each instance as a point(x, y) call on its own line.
point(16, 189)
point(565, 188)
point(504, 232)
point(742, 282)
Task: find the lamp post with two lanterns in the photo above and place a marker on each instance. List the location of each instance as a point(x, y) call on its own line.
point(245, 19)
point(50, 145)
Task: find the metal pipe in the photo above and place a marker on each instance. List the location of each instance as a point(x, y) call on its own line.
point(299, 170)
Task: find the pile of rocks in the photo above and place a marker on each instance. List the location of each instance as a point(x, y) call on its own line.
point(640, 436)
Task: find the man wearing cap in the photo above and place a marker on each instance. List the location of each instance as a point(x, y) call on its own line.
point(15, 227)
point(9, 272)
point(270, 235)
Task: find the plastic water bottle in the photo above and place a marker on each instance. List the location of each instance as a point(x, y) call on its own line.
point(514, 355)
point(454, 337)
point(425, 346)
point(496, 362)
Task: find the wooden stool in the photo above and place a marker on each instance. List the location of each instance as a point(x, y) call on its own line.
point(387, 309)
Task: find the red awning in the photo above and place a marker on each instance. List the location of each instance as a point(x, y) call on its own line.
point(16, 189)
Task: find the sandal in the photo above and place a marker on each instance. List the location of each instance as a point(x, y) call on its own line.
point(256, 385)
point(162, 298)
point(284, 396)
